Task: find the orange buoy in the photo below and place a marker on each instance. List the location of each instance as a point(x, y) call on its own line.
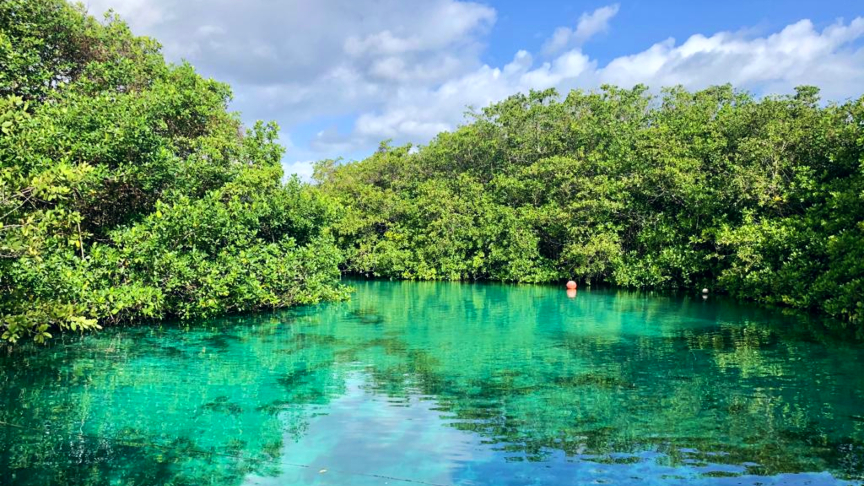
point(571, 285)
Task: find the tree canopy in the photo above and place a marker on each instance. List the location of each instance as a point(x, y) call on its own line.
point(129, 191)
point(761, 198)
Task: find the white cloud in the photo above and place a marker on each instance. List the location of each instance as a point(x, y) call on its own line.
point(301, 168)
point(262, 42)
point(296, 61)
point(589, 25)
point(799, 54)
point(407, 70)
point(418, 113)
point(146, 13)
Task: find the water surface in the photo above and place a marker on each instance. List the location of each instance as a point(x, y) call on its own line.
point(440, 383)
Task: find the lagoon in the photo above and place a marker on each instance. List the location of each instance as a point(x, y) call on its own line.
point(445, 383)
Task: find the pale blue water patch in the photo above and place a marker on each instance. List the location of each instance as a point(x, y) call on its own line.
point(401, 444)
point(441, 383)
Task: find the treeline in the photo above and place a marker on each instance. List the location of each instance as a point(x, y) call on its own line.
point(759, 198)
point(128, 191)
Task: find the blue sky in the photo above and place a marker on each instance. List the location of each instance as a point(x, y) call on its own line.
point(640, 23)
point(339, 76)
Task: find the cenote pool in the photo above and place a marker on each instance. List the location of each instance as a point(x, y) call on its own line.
point(444, 383)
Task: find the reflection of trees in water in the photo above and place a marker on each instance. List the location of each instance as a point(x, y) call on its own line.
point(150, 407)
point(759, 388)
point(530, 373)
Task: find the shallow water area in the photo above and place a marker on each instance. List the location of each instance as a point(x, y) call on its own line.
point(445, 383)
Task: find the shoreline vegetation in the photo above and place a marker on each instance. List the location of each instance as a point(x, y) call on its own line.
point(128, 191)
point(758, 198)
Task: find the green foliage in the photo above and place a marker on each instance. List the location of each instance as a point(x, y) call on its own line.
point(128, 191)
point(761, 198)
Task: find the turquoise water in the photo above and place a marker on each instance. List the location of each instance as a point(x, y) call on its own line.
point(438, 383)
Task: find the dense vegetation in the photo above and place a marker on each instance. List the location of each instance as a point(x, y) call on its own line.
point(127, 190)
point(760, 198)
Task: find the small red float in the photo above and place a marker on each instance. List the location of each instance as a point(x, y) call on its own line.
point(571, 285)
